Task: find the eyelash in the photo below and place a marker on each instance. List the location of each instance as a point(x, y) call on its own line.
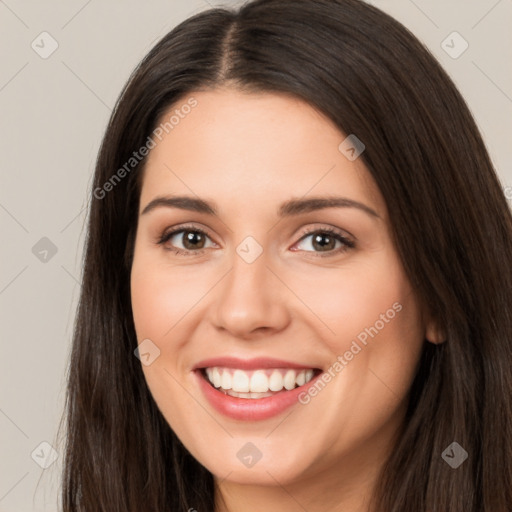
point(347, 244)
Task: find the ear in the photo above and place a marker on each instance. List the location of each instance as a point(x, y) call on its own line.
point(433, 332)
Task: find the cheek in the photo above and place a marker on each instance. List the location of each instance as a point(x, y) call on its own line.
point(357, 301)
point(375, 340)
point(372, 323)
point(161, 296)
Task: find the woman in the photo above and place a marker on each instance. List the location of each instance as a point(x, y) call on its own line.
point(333, 332)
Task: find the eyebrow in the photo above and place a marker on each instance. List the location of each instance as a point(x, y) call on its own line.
point(287, 209)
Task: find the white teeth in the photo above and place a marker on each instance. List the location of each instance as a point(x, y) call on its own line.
point(257, 383)
point(275, 381)
point(289, 379)
point(230, 392)
point(216, 377)
point(226, 380)
point(240, 382)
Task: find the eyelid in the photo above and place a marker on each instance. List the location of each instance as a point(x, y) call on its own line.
point(170, 232)
point(326, 228)
point(348, 242)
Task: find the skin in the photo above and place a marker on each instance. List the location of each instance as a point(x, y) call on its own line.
point(248, 153)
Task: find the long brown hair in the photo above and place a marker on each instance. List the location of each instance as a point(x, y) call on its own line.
point(450, 221)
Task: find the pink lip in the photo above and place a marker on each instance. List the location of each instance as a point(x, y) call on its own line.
point(248, 409)
point(248, 364)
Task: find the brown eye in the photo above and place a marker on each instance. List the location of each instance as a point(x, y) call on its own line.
point(185, 240)
point(323, 242)
point(192, 240)
point(326, 240)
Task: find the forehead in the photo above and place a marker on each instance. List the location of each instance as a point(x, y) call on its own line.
point(254, 149)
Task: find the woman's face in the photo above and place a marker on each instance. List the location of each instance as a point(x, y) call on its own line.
point(271, 288)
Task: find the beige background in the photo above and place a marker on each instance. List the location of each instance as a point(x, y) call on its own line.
point(53, 113)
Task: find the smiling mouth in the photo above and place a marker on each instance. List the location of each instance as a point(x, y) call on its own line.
point(259, 383)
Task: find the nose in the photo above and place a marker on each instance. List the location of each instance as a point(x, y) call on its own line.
point(251, 300)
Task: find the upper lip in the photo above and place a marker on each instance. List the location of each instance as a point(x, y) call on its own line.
point(249, 364)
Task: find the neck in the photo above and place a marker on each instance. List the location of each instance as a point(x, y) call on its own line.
point(314, 496)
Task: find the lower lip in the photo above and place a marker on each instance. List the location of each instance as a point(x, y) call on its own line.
point(251, 409)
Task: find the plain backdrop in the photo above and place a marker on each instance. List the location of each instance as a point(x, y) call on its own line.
point(54, 109)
